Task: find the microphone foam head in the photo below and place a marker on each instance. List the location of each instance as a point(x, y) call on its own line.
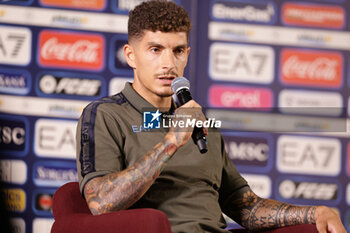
point(180, 83)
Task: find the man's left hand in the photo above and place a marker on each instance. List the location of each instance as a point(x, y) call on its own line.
point(327, 221)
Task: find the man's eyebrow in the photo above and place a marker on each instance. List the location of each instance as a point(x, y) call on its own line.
point(155, 44)
point(181, 46)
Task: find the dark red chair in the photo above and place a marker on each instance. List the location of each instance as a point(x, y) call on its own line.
point(72, 215)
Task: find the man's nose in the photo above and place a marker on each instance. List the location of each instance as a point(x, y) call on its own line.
point(168, 59)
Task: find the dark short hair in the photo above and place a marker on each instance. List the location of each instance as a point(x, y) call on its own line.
point(158, 15)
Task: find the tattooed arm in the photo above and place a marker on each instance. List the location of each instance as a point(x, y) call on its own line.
point(120, 190)
point(255, 213)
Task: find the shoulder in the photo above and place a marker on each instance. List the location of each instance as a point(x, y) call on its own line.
point(106, 104)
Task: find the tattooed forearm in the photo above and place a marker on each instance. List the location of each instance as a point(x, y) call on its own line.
point(117, 191)
point(255, 213)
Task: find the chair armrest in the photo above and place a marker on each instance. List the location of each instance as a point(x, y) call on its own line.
point(303, 228)
point(124, 221)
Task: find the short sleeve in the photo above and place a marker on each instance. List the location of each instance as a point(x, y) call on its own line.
point(231, 180)
point(99, 141)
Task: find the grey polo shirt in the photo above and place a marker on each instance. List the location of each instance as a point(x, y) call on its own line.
point(189, 190)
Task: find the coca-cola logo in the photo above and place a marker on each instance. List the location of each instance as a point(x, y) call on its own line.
point(311, 68)
point(71, 50)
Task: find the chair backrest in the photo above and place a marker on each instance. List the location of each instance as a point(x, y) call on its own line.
point(68, 199)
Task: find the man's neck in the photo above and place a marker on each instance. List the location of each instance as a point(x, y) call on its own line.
point(159, 102)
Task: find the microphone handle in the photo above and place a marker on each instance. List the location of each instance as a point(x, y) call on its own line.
point(183, 96)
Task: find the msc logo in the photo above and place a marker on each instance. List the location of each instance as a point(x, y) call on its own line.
point(13, 135)
point(151, 120)
point(15, 45)
point(251, 151)
point(290, 189)
point(309, 155)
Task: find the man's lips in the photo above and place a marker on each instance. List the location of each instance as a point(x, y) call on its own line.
point(166, 79)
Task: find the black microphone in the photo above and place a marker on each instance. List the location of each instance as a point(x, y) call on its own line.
point(181, 87)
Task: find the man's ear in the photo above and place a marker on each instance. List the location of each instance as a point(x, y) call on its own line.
point(188, 50)
point(129, 55)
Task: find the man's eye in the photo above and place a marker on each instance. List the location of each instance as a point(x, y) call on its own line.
point(179, 51)
point(155, 50)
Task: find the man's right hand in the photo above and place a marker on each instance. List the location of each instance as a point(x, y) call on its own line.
point(178, 135)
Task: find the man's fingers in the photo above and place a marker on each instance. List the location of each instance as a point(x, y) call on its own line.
point(193, 109)
point(321, 227)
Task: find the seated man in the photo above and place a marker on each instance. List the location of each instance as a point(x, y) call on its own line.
point(121, 168)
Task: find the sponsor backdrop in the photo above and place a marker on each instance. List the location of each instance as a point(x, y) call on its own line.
point(275, 72)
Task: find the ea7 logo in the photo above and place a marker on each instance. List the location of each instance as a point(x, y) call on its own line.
point(241, 63)
point(289, 189)
point(55, 138)
point(15, 45)
point(309, 155)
